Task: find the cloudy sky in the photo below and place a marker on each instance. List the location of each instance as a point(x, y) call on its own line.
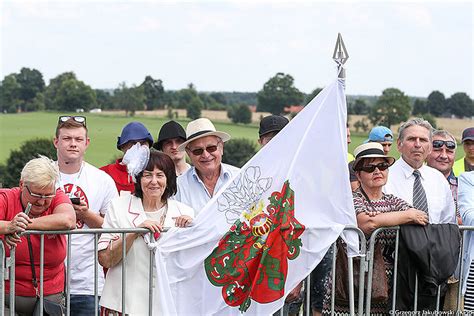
point(417, 47)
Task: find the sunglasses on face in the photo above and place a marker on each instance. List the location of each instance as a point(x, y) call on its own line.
point(371, 168)
point(78, 119)
point(200, 151)
point(39, 196)
point(449, 144)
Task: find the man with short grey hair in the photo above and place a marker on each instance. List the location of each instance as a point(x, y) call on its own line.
point(422, 186)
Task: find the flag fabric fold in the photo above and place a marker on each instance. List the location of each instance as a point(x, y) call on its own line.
point(266, 230)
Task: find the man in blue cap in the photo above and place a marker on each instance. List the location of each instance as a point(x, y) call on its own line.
point(132, 133)
point(382, 135)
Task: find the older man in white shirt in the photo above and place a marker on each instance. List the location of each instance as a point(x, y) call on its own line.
point(410, 179)
point(205, 146)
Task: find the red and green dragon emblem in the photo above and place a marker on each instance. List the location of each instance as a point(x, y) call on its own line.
point(251, 260)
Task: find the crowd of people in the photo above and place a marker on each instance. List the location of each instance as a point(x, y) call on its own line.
point(153, 186)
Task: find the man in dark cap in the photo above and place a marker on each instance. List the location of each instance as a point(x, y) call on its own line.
point(269, 127)
point(132, 133)
point(172, 135)
point(467, 162)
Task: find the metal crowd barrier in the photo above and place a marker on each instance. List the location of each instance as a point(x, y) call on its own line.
point(10, 265)
point(350, 270)
point(7, 268)
point(393, 311)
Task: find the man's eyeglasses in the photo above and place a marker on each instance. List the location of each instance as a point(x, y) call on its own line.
point(39, 196)
point(371, 168)
point(200, 151)
point(449, 144)
point(78, 119)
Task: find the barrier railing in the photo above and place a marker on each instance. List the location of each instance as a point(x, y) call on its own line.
point(350, 260)
point(7, 268)
point(11, 266)
point(370, 258)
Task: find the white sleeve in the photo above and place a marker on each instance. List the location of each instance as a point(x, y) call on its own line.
point(110, 221)
point(466, 197)
point(110, 192)
point(449, 211)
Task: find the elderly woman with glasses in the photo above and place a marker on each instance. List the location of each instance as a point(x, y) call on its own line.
point(49, 209)
point(376, 209)
point(149, 207)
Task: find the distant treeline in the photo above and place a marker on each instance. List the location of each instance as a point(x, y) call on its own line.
point(27, 91)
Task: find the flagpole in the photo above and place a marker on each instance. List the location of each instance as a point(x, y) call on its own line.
point(340, 56)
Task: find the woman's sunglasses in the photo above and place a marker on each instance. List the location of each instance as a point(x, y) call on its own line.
point(371, 168)
point(449, 144)
point(78, 119)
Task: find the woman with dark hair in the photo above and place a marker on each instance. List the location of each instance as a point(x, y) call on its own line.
point(150, 207)
point(376, 209)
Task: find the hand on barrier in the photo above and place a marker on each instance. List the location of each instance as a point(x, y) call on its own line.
point(12, 240)
point(19, 223)
point(153, 226)
point(183, 220)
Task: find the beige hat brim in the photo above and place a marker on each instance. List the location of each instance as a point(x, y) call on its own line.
point(222, 135)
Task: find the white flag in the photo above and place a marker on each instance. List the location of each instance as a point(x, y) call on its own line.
point(267, 229)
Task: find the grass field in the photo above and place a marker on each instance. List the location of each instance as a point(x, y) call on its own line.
point(104, 129)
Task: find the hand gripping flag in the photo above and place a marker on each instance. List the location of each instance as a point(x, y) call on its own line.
point(268, 228)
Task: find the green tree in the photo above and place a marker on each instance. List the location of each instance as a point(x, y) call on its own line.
point(219, 98)
point(66, 93)
point(238, 151)
point(31, 83)
point(436, 103)
point(240, 114)
point(154, 92)
point(361, 125)
point(129, 99)
point(277, 93)
point(392, 107)
point(184, 96)
point(312, 95)
point(9, 93)
point(27, 151)
point(104, 99)
point(430, 118)
point(193, 110)
point(420, 107)
point(360, 107)
point(460, 104)
point(207, 101)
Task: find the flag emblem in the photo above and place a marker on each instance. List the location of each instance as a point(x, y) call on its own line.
point(251, 261)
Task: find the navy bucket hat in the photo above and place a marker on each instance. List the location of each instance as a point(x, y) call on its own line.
point(134, 131)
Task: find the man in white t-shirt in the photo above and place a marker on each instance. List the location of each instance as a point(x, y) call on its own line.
point(91, 191)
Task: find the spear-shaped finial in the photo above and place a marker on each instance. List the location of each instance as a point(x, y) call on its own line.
point(340, 56)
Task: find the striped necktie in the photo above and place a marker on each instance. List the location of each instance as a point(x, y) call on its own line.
point(419, 194)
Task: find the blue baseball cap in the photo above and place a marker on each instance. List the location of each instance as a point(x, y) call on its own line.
point(134, 131)
point(380, 134)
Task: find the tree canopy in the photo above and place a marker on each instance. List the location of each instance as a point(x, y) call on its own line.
point(392, 107)
point(277, 93)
